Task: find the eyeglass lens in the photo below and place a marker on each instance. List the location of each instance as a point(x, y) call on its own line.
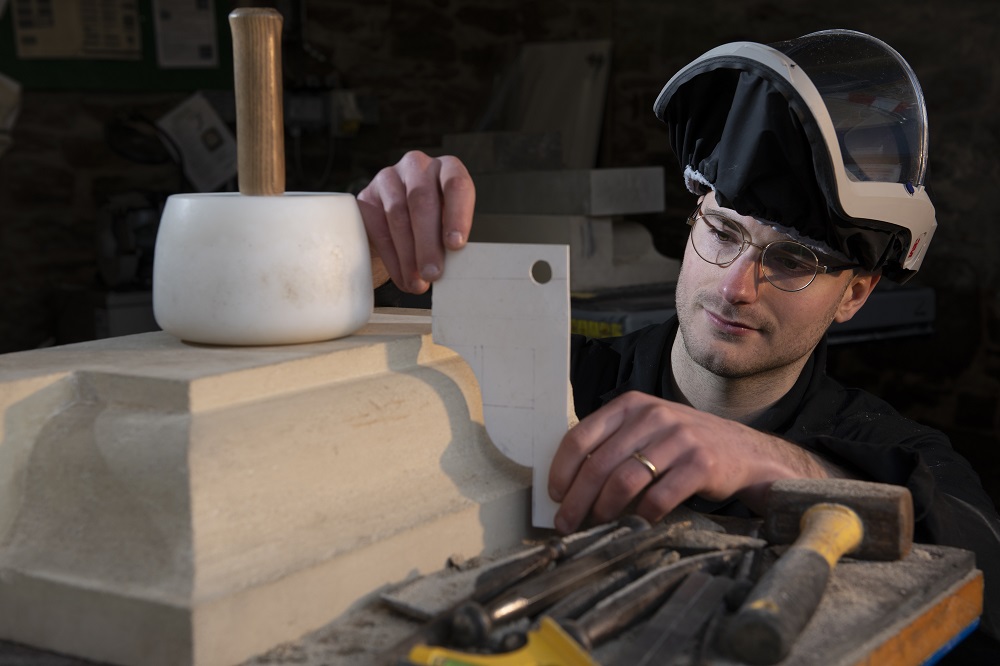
point(787, 265)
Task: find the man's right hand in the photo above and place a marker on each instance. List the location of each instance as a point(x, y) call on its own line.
point(595, 471)
point(412, 212)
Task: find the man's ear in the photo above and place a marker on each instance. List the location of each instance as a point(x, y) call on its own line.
point(858, 290)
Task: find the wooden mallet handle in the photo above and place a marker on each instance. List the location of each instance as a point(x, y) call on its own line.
point(260, 125)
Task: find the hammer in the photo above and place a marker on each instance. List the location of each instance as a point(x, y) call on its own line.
point(826, 519)
point(262, 266)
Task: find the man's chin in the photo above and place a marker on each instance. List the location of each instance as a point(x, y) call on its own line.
point(728, 368)
point(726, 360)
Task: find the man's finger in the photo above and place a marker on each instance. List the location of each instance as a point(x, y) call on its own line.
point(666, 494)
point(376, 226)
point(424, 215)
point(393, 193)
point(582, 440)
point(608, 479)
point(623, 486)
point(459, 195)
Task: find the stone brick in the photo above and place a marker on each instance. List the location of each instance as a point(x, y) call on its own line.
point(182, 473)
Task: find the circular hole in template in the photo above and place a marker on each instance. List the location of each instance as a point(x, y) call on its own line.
point(541, 271)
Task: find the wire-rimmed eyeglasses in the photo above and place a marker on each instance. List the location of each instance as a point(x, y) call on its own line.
point(787, 264)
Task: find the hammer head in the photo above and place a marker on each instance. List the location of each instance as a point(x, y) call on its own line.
point(886, 512)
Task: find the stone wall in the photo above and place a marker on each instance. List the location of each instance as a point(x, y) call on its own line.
point(431, 66)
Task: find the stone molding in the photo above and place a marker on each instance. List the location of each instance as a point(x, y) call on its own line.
point(171, 503)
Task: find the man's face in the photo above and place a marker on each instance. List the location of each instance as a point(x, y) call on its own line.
point(735, 323)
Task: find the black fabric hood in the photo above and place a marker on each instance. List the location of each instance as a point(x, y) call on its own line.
point(750, 136)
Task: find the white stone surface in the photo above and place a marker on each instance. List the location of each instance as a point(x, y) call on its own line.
point(171, 503)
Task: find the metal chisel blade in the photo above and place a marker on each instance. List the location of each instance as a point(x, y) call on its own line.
point(678, 621)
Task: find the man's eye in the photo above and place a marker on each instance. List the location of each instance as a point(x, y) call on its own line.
point(722, 233)
point(790, 263)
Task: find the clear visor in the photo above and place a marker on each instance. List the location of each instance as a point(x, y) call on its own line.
point(874, 101)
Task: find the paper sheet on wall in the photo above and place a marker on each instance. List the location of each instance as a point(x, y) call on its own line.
point(78, 29)
point(206, 143)
point(185, 33)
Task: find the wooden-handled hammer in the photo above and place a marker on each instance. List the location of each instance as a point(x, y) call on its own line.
point(826, 519)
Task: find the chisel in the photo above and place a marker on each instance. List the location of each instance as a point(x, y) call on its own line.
point(438, 630)
point(473, 621)
point(678, 622)
point(620, 610)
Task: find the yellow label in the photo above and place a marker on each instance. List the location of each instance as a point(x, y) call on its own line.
point(766, 605)
point(596, 329)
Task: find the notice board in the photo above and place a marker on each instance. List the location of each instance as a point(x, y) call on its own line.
point(117, 45)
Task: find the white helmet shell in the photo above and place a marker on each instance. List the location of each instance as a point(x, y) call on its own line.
point(858, 118)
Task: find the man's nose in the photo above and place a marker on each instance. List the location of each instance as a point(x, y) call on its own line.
point(742, 278)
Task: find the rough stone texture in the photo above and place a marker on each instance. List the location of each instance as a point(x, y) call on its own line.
point(171, 503)
point(431, 66)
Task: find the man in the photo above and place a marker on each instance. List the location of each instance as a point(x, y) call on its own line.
point(810, 189)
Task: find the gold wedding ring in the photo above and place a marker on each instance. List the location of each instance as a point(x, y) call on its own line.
point(648, 464)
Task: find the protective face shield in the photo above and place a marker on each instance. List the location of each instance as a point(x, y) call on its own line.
point(825, 135)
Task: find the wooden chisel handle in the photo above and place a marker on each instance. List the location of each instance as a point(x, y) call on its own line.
point(780, 605)
point(260, 124)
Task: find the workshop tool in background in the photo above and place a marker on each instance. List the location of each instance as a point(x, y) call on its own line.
point(826, 519)
point(262, 266)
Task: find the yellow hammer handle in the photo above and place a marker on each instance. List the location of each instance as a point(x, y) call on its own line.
point(782, 602)
point(832, 530)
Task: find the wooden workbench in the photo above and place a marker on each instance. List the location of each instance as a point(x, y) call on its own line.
point(873, 614)
point(894, 613)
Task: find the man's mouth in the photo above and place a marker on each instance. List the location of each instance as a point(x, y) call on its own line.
point(729, 326)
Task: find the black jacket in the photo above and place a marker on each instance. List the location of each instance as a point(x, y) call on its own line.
point(846, 426)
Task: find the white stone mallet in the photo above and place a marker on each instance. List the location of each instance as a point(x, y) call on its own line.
point(261, 266)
